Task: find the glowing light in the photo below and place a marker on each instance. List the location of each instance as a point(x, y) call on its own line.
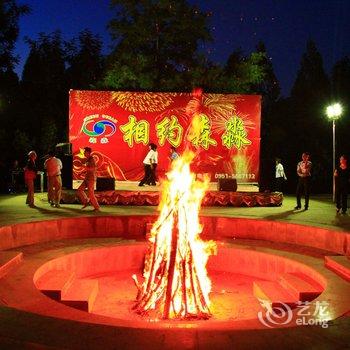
point(334, 111)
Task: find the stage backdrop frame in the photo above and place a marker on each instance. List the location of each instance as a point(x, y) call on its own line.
point(119, 126)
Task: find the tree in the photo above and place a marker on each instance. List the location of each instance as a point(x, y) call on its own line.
point(21, 143)
point(309, 96)
point(309, 129)
point(85, 61)
point(243, 73)
point(8, 90)
point(44, 91)
point(10, 13)
point(340, 80)
point(312, 83)
point(269, 87)
point(208, 75)
point(156, 44)
point(273, 132)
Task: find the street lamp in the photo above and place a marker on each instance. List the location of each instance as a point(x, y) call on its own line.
point(334, 112)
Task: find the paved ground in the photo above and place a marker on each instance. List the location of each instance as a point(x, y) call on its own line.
point(321, 212)
point(21, 330)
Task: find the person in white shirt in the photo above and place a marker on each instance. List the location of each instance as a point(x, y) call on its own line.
point(53, 168)
point(154, 165)
point(280, 176)
point(304, 180)
point(150, 164)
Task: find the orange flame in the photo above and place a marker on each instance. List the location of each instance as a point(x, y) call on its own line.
point(176, 284)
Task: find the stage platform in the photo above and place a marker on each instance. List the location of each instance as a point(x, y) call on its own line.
point(129, 193)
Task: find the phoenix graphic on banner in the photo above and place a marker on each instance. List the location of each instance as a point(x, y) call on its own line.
point(119, 125)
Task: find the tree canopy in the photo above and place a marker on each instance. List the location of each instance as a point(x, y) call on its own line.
point(10, 13)
point(85, 61)
point(156, 43)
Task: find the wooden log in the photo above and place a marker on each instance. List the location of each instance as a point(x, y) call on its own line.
point(171, 270)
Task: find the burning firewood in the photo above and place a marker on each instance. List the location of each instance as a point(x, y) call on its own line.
point(176, 284)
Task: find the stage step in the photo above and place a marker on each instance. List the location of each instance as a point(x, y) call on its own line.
point(339, 264)
point(55, 282)
point(9, 259)
point(299, 287)
point(81, 294)
point(274, 293)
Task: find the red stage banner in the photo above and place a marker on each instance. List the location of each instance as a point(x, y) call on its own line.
point(118, 126)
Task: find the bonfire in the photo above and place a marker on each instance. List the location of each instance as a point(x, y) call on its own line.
point(175, 281)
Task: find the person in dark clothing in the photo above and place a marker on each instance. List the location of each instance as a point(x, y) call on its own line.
point(342, 180)
point(304, 179)
point(30, 172)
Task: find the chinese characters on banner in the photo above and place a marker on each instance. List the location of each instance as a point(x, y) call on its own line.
point(169, 130)
point(223, 131)
point(235, 134)
point(134, 130)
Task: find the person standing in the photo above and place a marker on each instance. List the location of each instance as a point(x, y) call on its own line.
point(154, 164)
point(304, 179)
point(89, 181)
point(149, 164)
point(280, 176)
point(53, 168)
point(342, 180)
point(30, 172)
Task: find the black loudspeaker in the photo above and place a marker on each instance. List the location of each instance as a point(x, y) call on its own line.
point(67, 170)
point(105, 184)
point(229, 185)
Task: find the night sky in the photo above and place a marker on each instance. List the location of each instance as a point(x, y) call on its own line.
point(284, 26)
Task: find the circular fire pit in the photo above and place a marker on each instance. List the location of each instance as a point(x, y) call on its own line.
point(99, 281)
point(87, 263)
